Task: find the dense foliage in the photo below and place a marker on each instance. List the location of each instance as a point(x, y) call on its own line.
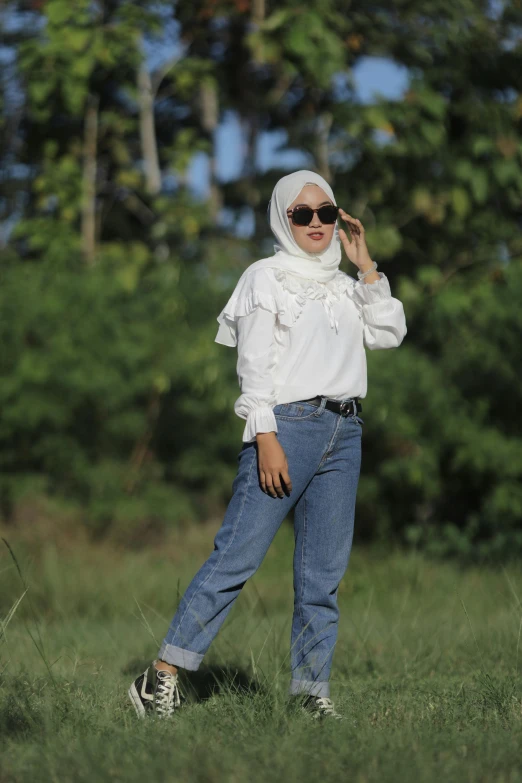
point(114, 395)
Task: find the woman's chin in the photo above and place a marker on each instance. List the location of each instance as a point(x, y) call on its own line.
point(316, 247)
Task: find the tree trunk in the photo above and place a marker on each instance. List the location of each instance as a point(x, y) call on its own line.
point(149, 147)
point(258, 11)
point(209, 119)
point(324, 124)
point(251, 188)
point(90, 147)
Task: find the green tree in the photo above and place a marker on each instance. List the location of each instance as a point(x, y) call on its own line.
point(111, 381)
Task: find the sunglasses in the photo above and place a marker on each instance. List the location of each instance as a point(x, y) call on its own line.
point(303, 216)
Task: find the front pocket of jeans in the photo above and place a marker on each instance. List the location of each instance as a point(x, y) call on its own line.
point(297, 411)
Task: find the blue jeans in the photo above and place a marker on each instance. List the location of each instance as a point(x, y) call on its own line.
point(323, 451)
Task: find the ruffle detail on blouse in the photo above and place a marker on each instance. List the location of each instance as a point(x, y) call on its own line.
point(288, 300)
point(245, 299)
point(300, 289)
point(372, 293)
point(260, 419)
point(241, 305)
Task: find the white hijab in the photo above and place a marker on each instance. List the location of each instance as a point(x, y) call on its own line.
point(288, 255)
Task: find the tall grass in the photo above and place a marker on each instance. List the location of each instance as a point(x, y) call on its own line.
point(427, 670)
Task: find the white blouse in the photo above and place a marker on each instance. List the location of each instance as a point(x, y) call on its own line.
point(297, 338)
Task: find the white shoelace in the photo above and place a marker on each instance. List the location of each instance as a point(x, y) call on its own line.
point(167, 694)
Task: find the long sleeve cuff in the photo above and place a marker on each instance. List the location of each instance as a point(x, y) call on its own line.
point(372, 293)
point(260, 419)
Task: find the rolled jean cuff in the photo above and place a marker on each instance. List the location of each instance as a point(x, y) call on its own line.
point(177, 656)
point(310, 687)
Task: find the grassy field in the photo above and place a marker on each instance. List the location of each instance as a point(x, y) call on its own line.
point(427, 669)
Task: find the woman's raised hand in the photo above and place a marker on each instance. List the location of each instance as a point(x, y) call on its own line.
point(355, 247)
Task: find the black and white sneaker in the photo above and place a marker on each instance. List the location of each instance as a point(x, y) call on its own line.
point(156, 693)
point(320, 707)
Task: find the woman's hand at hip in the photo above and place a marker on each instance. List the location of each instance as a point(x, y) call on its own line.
point(272, 465)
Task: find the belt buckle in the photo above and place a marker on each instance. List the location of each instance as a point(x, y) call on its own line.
point(343, 408)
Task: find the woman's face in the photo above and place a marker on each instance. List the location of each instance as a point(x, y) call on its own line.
point(316, 237)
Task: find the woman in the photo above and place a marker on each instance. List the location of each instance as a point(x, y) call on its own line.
point(301, 327)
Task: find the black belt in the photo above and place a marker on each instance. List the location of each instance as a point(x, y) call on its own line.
point(346, 408)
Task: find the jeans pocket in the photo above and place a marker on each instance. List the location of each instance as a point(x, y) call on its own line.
point(297, 410)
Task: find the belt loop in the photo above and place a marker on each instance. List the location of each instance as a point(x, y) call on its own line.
point(322, 405)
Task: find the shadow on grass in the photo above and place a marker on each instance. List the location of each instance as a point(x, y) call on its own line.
point(207, 681)
point(18, 718)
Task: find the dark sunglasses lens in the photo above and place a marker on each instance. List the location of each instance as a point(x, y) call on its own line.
point(328, 214)
point(303, 216)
